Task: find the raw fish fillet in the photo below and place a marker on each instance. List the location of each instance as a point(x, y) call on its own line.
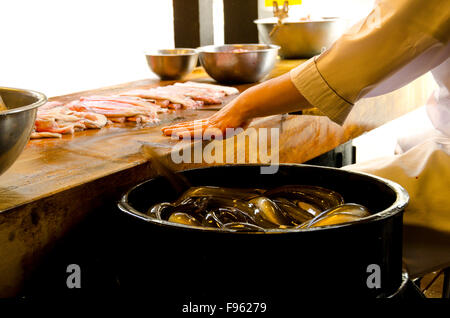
point(157, 94)
point(44, 134)
point(226, 89)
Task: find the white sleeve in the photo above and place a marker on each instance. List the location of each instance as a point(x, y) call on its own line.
point(396, 43)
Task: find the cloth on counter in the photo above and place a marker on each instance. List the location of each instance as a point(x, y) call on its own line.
point(414, 128)
point(424, 171)
point(425, 250)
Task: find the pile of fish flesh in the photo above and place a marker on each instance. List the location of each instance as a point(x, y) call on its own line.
point(258, 210)
point(118, 108)
point(184, 95)
point(55, 119)
point(140, 106)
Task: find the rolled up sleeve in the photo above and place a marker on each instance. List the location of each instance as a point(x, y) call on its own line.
point(318, 93)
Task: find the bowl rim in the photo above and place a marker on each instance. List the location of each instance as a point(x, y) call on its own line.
point(270, 20)
point(269, 47)
point(41, 100)
point(154, 52)
point(398, 205)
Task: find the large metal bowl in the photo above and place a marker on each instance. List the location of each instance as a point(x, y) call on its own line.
point(172, 64)
point(301, 39)
point(17, 122)
point(238, 63)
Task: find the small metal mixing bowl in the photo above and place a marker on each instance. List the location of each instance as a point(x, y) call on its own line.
point(172, 64)
point(17, 122)
point(238, 63)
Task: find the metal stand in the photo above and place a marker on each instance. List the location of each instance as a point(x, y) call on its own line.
point(446, 287)
point(340, 156)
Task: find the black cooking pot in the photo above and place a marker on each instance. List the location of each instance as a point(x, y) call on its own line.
point(361, 260)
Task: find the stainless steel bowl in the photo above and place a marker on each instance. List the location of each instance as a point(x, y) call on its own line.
point(172, 64)
point(17, 122)
point(301, 39)
point(238, 63)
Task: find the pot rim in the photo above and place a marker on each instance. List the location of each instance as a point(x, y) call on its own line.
point(272, 20)
point(176, 52)
point(208, 49)
point(397, 206)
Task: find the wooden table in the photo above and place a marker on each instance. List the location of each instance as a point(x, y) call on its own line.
point(55, 183)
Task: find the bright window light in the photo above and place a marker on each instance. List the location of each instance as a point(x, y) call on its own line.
point(60, 47)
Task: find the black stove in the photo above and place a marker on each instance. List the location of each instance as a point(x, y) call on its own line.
point(96, 248)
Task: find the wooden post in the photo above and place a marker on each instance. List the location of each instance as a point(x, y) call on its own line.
point(238, 21)
point(186, 23)
point(193, 23)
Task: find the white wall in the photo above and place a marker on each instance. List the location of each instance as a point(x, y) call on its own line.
point(59, 47)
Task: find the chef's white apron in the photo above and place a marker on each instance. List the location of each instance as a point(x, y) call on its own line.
point(422, 167)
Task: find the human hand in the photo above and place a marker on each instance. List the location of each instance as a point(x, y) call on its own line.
point(228, 117)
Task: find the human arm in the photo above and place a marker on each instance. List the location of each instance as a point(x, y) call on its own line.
point(275, 96)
